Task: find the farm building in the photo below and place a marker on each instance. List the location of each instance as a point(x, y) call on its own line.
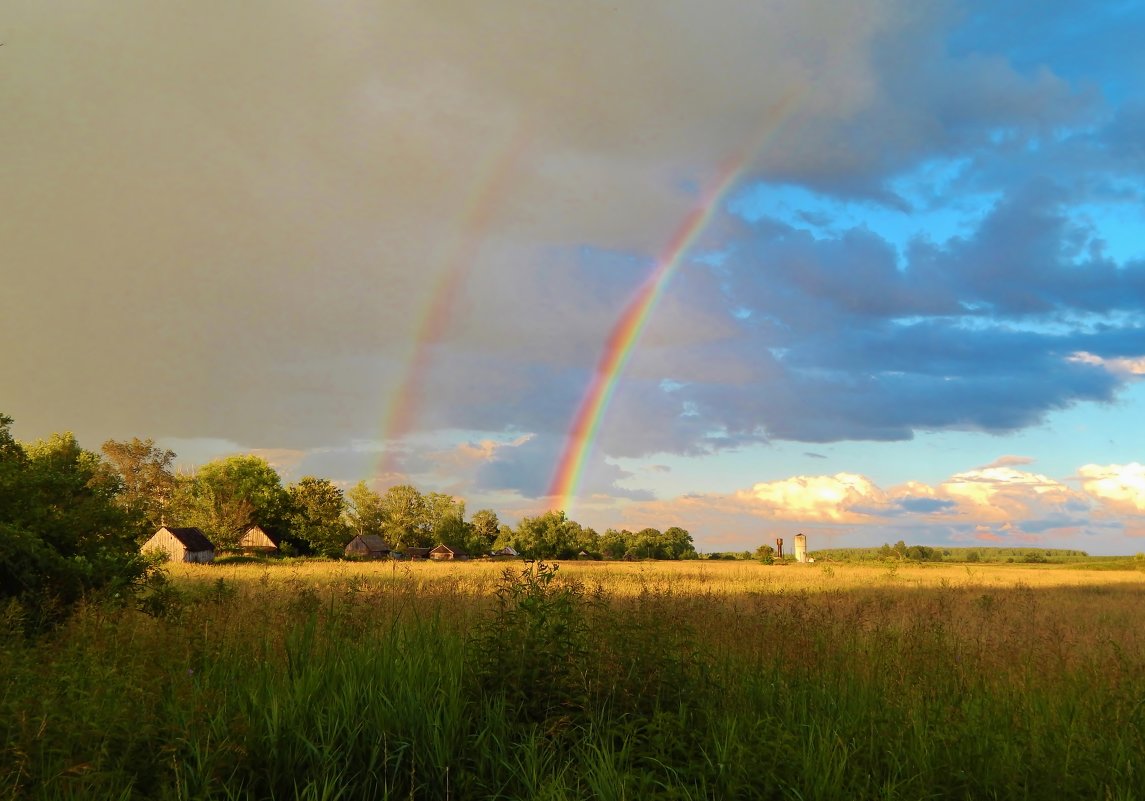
point(508, 552)
point(416, 553)
point(260, 540)
point(181, 545)
point(368, 546)
point(443, 552)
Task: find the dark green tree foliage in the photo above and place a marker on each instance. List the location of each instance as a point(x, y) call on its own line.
point(407, 517)
point(315, 516)
point(445, 516)
point(148, 483)
point(649, 543)
point(364, 512)
point(614, 544)
point(63, 532)
point(227, 496)
point(485, 530)
point(550, 535)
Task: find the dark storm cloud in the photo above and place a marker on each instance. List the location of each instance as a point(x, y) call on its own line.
point(232, 223)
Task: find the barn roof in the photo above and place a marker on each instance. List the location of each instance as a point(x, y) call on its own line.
point(193, 539)
point(446, 549)
point(413, 552)
point(373, 543)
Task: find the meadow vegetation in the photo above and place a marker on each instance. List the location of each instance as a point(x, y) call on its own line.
point(698, 679)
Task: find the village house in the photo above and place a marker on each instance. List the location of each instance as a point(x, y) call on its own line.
point(181, 545)
point(368, 546)
point(444, 552)
point(260, 540)
point(413, 553)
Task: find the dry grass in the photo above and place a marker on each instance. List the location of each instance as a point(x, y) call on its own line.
point(683, 578)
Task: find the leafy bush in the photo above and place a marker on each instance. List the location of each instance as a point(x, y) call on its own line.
point(62, 533)
point(560, 657)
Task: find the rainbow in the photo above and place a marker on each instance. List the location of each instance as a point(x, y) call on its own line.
point(622, 339)
point(433, 323)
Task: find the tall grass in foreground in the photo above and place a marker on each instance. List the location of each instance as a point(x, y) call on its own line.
point(537, 685)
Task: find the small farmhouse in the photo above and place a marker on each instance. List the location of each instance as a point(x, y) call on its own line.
point(443, 552)
point(508, 552)
point(260, 540)
point(368, 546)
point(416, 553)
point(181, 545)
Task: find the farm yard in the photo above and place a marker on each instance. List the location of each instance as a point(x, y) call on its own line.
point(698, 679)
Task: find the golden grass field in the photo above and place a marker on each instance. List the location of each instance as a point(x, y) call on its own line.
point(682, 578)
point(683, 680)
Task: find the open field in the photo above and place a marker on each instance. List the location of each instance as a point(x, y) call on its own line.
point(601, 680)
point(686, 577)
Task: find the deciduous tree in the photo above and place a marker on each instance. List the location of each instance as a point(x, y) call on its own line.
point(227, 496)
point(364, 512)
point(148, 482)
point(62, 531)
point(315, 516)
point(407, 520)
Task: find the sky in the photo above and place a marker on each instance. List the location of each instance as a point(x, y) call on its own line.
point(881, 262)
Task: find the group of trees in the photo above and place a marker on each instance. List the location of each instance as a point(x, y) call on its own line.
point(68, 527)
point(225, 497)
point(82, 506)
point(552, 534)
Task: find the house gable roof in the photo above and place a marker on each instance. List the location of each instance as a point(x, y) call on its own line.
point(271, 534)
point(193, 539)
point(373, 543)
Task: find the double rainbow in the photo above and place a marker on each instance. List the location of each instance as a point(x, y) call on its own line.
point(434, 321)
point(622, 339)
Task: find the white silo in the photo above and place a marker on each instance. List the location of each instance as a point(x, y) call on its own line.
point(800, 548)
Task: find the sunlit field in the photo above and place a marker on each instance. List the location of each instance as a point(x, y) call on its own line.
point(687, 577)
point(698, 679)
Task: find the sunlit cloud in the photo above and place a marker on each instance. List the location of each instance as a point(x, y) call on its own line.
point(1118, 486)
point(1127, 366)
point(818, 498)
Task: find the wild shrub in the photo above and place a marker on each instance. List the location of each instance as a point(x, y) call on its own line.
point(533, 651)
point(562, 657)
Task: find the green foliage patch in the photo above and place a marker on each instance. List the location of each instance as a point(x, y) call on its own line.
point(554, 689)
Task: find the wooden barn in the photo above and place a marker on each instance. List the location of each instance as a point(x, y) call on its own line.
point(444, 552)
point(416, 553)
point(508, 552)
point(368, 546)
point(181, 545)
point(260, 540)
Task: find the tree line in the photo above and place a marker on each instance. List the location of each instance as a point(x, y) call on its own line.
point(314, 516)
point(72, 520)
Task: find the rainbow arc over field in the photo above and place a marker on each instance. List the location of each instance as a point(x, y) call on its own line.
point(626, 333)
point(479, 212)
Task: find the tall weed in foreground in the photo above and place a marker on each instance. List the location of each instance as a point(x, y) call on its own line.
point(561, 656)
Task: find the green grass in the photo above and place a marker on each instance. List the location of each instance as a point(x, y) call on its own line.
point(547, 689)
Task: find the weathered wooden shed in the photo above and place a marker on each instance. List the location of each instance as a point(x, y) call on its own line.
point(444, 552)
point(508, 552)
point(416, 553)
point(258, 539)
point(368, 546)
point(181, 544)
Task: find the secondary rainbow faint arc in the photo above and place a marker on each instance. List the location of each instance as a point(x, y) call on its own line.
point(622, 339)
point(439, 311)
